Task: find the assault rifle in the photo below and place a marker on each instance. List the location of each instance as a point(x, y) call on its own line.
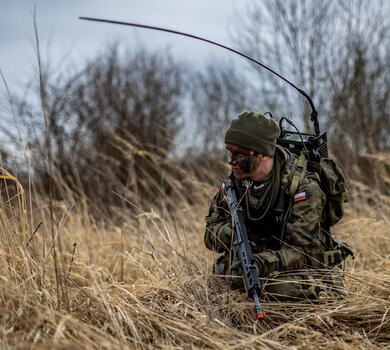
point(242, 249)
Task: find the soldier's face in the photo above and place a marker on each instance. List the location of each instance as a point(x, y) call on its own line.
point(242, 163)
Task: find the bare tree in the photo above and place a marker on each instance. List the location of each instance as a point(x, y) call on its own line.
point(360, 97)
point(140, 95)
point(135, 96)
point(294, 38)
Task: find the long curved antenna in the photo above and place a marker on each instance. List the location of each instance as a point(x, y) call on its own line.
point(314, 113)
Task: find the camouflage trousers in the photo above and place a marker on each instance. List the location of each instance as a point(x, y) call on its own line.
point(297, 285)
point(306, 284)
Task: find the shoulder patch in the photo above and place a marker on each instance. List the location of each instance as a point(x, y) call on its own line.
point(301, 196)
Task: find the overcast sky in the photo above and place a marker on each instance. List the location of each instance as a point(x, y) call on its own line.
point(63, 37)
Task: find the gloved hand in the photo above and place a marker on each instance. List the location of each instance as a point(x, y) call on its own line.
point(236, 271)
point(237, 282)
point(225, 236)
point(259, 267)
point(235, 268)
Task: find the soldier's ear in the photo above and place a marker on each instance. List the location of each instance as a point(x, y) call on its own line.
point(262, 156)
point(259, 156)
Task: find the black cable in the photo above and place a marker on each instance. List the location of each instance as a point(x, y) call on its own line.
point(288, 120)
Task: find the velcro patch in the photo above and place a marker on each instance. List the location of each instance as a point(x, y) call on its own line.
point(301, 196)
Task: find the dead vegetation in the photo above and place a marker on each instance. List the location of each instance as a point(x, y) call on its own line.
point(142, 278)
point(115, 259)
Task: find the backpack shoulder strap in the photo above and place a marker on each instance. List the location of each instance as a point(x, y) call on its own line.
point(297, 175)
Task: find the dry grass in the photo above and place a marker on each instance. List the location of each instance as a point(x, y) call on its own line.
point(147, 283)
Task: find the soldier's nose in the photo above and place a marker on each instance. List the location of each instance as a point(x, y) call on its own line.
point(232, 160)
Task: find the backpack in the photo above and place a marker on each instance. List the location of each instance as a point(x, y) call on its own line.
point(332, 183)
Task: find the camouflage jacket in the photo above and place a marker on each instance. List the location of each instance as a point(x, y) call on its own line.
point(290, 237)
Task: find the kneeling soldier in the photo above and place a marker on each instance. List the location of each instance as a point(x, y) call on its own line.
point(291, 243)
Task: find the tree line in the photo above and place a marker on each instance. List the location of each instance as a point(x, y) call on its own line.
point(109, 117)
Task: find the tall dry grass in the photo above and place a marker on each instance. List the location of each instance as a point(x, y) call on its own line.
point(142, 278)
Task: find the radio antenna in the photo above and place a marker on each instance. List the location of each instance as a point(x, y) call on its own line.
point(314, 113)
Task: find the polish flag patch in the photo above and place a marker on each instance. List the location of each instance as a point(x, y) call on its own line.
point(301, 196)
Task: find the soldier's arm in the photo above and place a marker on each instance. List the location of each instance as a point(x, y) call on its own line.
point(302, 234)
point(218, 225)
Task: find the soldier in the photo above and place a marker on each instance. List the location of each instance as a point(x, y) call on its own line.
point(293, 249)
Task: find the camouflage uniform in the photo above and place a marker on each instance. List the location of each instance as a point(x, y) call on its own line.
point(294, 252)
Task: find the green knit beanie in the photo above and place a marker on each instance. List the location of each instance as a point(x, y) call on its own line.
point(254, 131)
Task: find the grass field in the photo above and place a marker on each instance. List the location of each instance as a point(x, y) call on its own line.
point(141, 277)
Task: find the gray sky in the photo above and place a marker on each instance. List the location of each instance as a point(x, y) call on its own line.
point(65, 38)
